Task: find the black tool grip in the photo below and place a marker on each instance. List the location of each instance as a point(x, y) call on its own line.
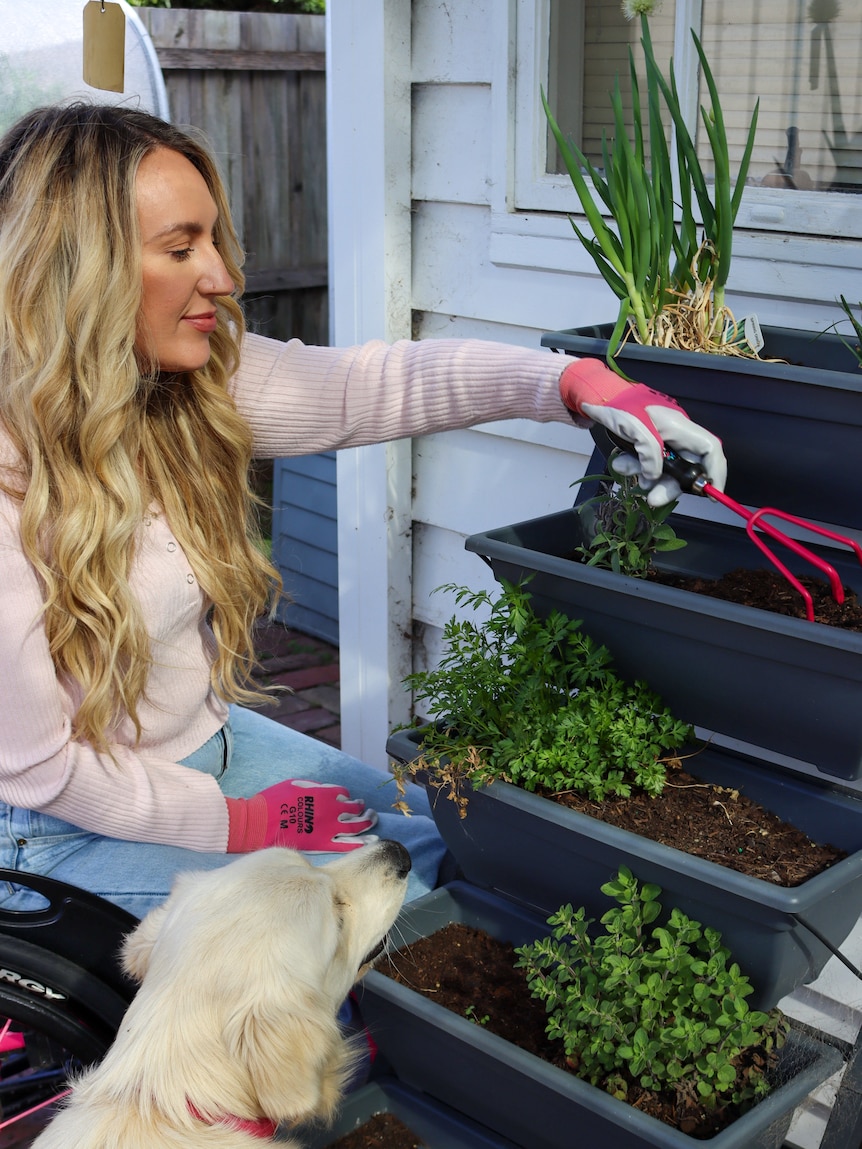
point(690, 476)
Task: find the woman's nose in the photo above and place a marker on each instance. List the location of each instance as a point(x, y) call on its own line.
point(215, 280)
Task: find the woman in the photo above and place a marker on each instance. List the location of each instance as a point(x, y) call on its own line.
point(131, 403)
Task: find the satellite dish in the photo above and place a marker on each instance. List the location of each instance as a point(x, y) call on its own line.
point(41, 60)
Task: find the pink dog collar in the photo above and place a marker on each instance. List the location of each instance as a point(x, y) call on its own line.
point(262, 1128)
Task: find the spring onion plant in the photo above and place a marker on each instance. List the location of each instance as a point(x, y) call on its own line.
point(856, 348)
point(669, 273)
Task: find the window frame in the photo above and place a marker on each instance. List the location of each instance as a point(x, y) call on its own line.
point(807, 213)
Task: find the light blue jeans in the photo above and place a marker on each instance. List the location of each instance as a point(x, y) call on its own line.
point(249, 754)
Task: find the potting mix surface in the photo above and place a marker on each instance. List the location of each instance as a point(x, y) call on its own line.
point(770, 590)
point(716, 823)
point(380, 1131)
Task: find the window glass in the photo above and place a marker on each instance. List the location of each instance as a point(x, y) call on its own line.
point(590, 42)
point(801, 58)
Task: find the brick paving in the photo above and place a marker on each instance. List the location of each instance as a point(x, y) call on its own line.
point(309, 668)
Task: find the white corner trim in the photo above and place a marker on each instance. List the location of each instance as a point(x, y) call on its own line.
point(369, 150)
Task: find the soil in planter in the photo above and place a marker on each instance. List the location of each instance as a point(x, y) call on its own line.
point(382, 1131)
point(472, 974)
point(716, 823)
point(770, 590)
point(707, 821)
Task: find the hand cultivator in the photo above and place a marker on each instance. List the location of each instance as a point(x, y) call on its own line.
point(693, 478)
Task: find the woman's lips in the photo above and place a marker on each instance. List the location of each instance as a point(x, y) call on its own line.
point(204, 323)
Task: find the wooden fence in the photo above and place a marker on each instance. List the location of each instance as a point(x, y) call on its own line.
point(254, 83)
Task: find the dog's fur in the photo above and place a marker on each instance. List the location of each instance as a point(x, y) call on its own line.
point(242, 971)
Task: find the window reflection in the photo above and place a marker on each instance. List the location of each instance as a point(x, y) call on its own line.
point(801, 58)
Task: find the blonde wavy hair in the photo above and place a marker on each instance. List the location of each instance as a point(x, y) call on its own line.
point(100, 436)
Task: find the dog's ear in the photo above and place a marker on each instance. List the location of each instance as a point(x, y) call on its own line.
point(297, 1062)
point(138, 945)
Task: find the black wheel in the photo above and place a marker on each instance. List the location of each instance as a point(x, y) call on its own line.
point(62, 998)
point(55, 1019)
point(35, 1069)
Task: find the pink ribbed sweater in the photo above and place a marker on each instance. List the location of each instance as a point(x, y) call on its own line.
point(298, 400)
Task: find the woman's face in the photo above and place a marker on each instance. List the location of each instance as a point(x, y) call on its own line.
point(182, 270)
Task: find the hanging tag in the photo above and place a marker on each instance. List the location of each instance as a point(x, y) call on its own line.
point(104, 45)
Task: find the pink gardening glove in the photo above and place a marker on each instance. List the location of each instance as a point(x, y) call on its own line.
point(317, 817)
point(647, 419)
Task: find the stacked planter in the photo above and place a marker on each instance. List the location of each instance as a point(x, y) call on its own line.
point(514, 1094)
point(772, 687)
point(791, 433)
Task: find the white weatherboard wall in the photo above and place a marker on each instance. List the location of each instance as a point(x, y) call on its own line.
point(425, 241)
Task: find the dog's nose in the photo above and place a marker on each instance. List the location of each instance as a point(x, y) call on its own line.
point(397, 855)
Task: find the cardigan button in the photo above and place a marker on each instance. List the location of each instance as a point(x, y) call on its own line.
point(172, 547)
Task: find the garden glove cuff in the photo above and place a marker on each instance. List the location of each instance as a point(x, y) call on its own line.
point(647, 419)
point(316, 817)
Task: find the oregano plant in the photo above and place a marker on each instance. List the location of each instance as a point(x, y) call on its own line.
point(534, 701)
point(661, 1005)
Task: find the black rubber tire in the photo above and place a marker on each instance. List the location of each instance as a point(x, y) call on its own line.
point(67, 1016)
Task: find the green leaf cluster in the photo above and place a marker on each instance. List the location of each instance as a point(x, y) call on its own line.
point(657, 1004)
point(649, 259)
point(623, 532)
point(534, 701)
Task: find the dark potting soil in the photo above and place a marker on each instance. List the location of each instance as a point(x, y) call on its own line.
point(716, 823)
point(710, 822)
point(472, 974)
point(770, 590)
point(381, 1131)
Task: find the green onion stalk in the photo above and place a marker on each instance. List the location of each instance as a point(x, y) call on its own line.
point(669, 274)
point(856, 348)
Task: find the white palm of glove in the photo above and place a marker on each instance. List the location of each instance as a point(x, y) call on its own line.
point(672, 428)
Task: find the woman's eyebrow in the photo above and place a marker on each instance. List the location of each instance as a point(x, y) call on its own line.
point(190, 228)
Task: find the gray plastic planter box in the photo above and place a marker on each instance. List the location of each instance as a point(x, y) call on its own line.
point(542, 855)
point(437, 1126)
point(791, 431)
point(783, 684)
point(517, 1094)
